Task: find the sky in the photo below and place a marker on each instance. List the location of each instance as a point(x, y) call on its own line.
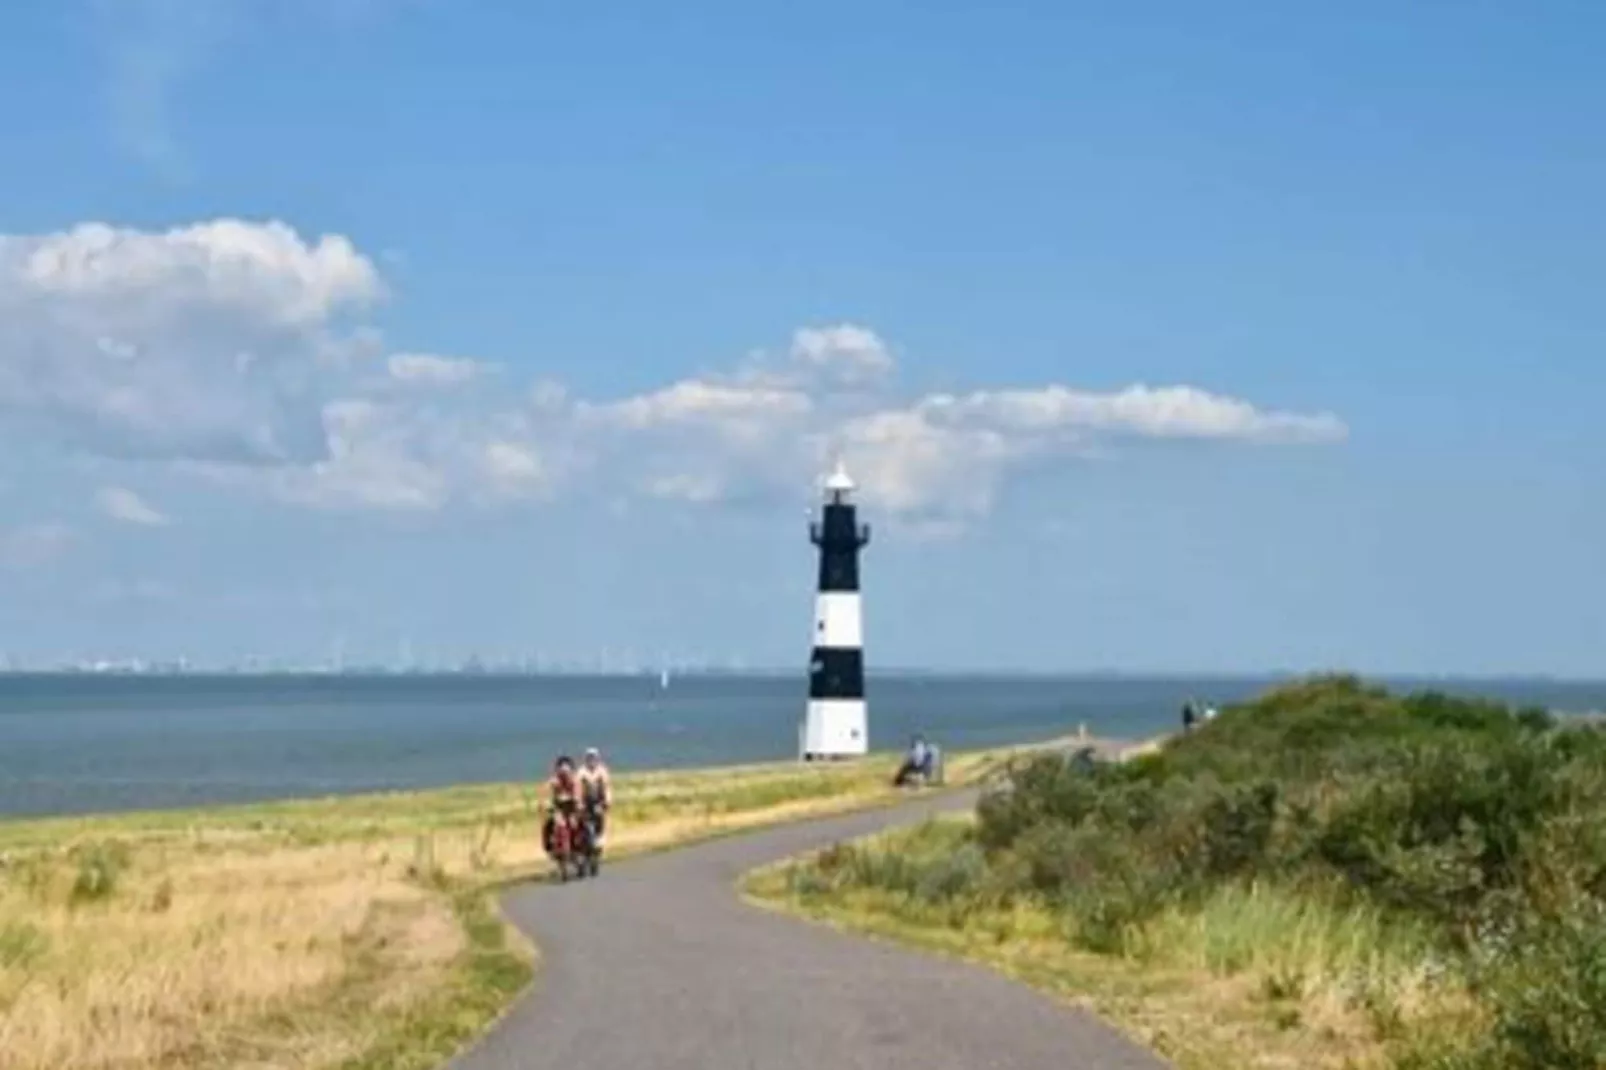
point(1158, 336)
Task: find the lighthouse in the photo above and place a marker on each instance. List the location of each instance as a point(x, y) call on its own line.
point(836, 725)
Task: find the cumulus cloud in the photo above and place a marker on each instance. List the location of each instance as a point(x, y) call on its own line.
point(1166, 412)
point(377, 458)
point(263, 272)
point(911, 464)
point(845, 352)
point(120, 503)
point(769, 425)
point(236, 350)
point(740, 413)
point(211, 342)
point(389, 455)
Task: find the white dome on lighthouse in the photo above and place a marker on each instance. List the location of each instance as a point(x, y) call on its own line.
point(839, 481)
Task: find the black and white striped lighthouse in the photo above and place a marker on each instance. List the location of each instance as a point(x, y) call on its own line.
point(836, 725)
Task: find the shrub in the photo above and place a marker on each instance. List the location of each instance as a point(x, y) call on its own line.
point(961, 874)
point(99, 866)
point(1545, 990)
point(1477, 829)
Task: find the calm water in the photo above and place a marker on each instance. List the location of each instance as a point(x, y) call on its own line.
point(97, 743)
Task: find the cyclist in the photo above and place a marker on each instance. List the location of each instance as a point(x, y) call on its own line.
point(563, 798)
point(596, 790)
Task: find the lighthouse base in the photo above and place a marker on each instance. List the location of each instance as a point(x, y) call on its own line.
point(835, 728)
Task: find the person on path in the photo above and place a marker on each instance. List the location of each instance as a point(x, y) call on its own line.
point(596, 791)
point(563, 799)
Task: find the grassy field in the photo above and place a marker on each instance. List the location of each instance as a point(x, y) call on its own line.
point(353, 932)
point(1329, 877)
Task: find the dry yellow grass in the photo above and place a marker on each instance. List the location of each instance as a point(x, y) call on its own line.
point(313, 934)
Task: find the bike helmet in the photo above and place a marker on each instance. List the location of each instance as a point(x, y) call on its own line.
point(563, 760)
point(592, 752)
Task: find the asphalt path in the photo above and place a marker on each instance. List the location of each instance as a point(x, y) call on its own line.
point(658, 965)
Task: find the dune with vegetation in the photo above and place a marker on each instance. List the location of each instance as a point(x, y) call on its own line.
point(352, 932)
point(1329, 876)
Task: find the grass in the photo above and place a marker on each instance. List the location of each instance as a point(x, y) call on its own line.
point(1252, 978)
point(356, 932)
point(1328, 877)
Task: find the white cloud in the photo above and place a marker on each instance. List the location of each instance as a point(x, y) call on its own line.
point(908, 463)
point(513, 468)
point(548, 397)
point(427, 369)
point(263, 272)
point(232, 349)
point(212, 342)
point(1166, 412)
point(846, 352)
point(377, 459)
point(770, 425)
point(120, 503)
point(33, 545)
point(391, 456)
point(736, 412)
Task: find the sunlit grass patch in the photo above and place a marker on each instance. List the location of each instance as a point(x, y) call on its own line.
point(354, 931)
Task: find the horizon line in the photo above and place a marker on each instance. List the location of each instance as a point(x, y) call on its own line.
point(780, 672)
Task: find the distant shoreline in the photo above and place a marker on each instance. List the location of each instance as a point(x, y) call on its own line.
point(1413, 681)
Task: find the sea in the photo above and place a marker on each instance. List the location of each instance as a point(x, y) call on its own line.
point(92, 743)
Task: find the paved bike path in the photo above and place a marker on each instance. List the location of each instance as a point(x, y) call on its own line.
point(659, 965)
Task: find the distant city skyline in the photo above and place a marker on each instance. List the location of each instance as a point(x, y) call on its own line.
point(605, 662)
point(608, 664)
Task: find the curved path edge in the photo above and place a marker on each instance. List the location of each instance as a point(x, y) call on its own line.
point(659, 963)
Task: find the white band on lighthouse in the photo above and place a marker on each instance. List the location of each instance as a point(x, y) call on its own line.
point(837, 620)
point(836, 722)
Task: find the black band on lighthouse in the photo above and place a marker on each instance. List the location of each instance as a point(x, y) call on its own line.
point(839, 570)
point(836, 672)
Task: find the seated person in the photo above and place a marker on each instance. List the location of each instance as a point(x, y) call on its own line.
point(919, 761)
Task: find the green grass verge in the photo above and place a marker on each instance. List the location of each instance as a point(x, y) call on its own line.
point(488, 975)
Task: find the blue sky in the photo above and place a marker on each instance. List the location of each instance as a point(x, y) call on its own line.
point(1222, 337)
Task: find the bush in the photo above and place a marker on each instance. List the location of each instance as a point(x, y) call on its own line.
point(937, 862)
point(962, 874)
point(99, 867)
point(1480, 827)
point(1545, 989)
